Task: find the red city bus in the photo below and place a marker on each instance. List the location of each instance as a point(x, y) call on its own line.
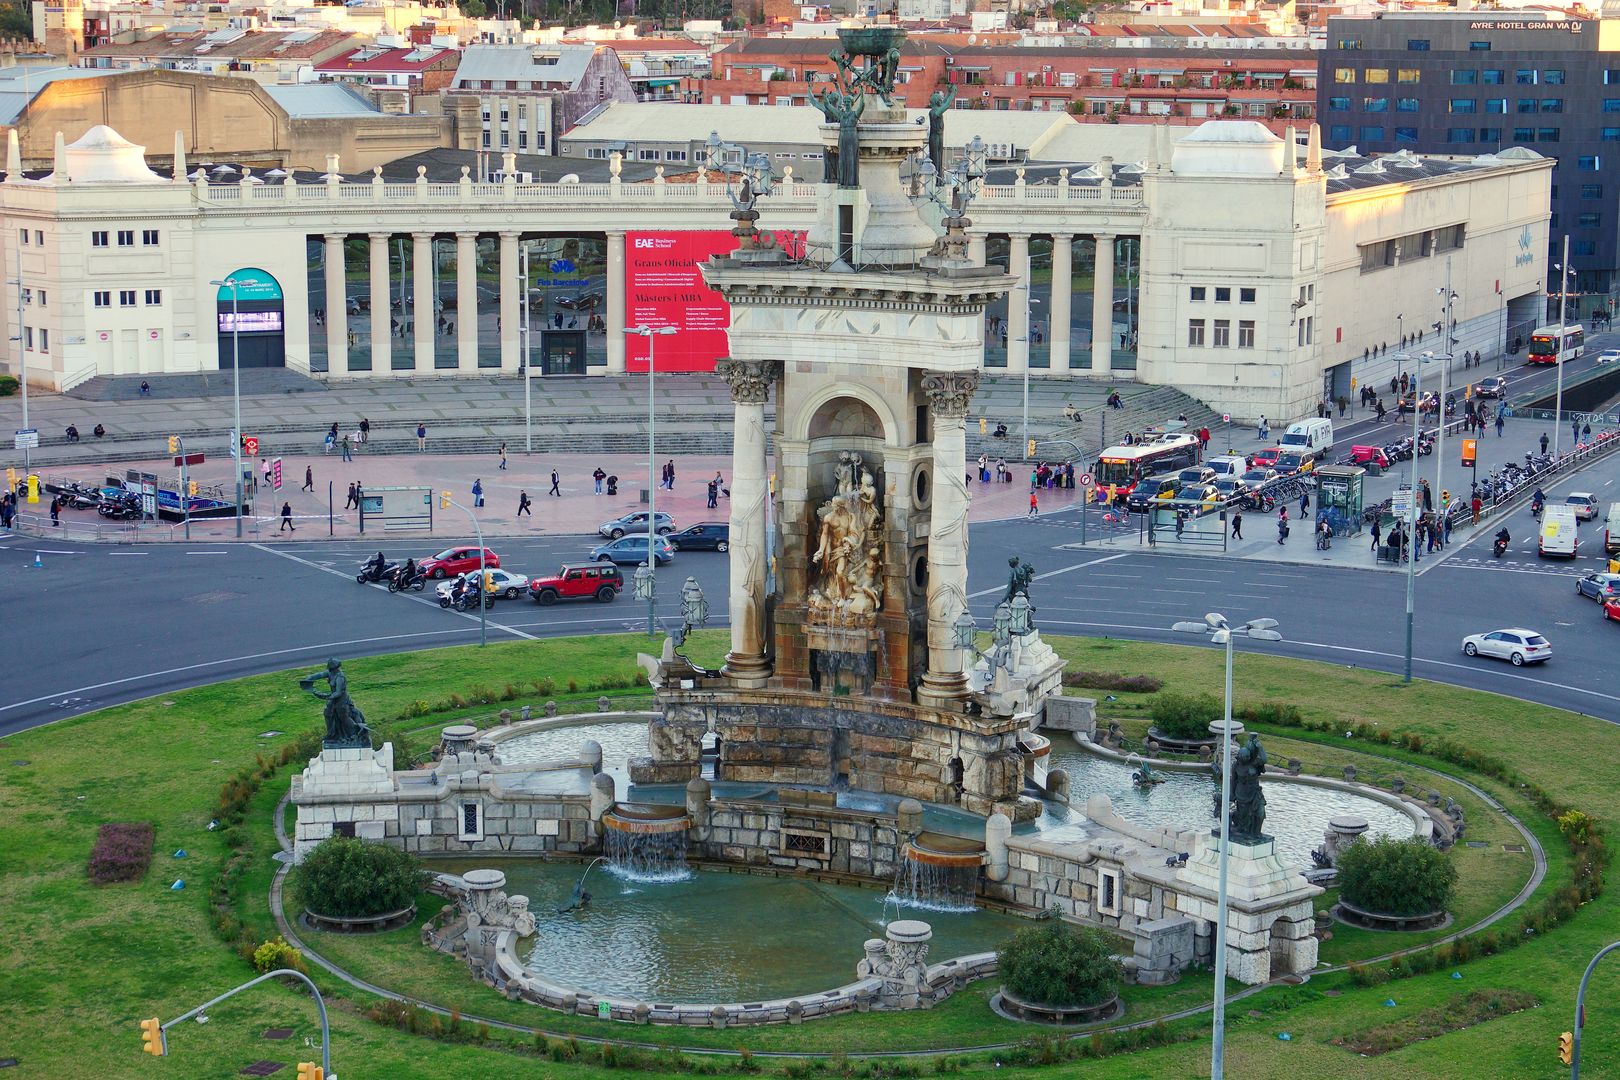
point(1544, 344)
point(1123, 467)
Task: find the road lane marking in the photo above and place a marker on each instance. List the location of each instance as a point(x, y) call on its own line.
point(129, 553)
point(433, 603)
point(1053, 573)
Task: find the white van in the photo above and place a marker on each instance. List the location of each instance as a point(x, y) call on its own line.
point(1313, 434)
point(1611, 529)
point(1234, 466)
point(1558, 539)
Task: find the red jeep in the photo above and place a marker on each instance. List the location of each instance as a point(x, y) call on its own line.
point(601, 581)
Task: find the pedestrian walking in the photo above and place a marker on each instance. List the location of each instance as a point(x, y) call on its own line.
point(599, 476)
point(354, 497)
point(1304, 505)
point(503, 456)
point(668, 482)
point(1282, 525)
point(1543, 442)
point(1265, 429)
point(1445, 531)
point(1501, 422)
point(331, 441)
point(1034, 503)
point(8, 509)
point(1476, 505)
point(421, 436)
point(264, 465)
point(1381, 410)
point(1574, 433)
point(347, 456)
point(365, 430)
point(555, 490)
point(1375, 531)
point(56, 512)
point(1237, 525)
point(309, 478)
point(478, 492)
point(1586, 431)
point(524, 504)
point(714, 494)
point(286, 518)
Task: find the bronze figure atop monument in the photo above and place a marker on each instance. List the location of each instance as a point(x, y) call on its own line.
point(345, 724)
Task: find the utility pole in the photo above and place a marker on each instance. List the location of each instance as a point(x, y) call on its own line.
point(1558, 357)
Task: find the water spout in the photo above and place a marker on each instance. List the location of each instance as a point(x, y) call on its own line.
point(580, 897)
point(649, 857)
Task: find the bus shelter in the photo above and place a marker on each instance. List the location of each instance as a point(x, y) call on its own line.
point(1338, 497)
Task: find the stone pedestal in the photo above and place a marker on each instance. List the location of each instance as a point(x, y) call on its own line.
point(358, 771)
point(1036, 674)
point(1269, 911)
point(1341, 832)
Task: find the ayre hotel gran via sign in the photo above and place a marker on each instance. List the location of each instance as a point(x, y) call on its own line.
point(1572, 26)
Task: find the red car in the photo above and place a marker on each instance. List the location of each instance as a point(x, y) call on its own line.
point(457, 560)
point(1611, 609)
point(1268, 458)
point(599, 581)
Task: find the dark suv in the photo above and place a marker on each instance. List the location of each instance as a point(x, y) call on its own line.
point(704, 536)
point(587, 581)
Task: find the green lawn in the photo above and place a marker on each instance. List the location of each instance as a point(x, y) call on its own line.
point(82, 964)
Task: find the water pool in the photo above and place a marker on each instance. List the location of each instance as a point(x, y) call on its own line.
point(715, 937)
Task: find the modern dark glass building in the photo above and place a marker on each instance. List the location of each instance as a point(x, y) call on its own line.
point(1467, 83)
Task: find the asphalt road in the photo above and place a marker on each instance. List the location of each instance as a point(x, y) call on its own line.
point(96, 626)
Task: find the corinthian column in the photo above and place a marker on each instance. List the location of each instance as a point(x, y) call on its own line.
point(750, 381)
point(949, 394)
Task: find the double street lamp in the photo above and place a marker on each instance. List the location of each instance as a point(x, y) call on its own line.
point(1222, 632)
point(645, 587)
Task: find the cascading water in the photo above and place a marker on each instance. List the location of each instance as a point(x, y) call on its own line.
point(938, 873)
point(647, 856)
point(934, 888)
point(646, 843)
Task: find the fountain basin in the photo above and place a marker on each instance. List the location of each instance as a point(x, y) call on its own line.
point(646, 819)
point(937, 849)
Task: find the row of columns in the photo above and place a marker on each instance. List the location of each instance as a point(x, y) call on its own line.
point(1059, 338)
point(512, 299)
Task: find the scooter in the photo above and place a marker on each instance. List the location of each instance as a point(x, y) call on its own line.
point(1499, 547)
point(370, 573)
point(396, 582)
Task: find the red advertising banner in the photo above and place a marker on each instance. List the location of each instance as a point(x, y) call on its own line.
point(664, 287)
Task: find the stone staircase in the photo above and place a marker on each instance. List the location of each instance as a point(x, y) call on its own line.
point(1099, 426)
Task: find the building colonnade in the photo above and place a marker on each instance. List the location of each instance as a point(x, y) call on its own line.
point(415, 352)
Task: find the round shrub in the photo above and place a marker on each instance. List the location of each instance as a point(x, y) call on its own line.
point(1396, 877)
point(8, 385)
point(1054, 963)
point(348, 878)
point(1180, 717)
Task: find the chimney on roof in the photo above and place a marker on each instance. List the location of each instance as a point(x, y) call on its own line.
point(1313, 150)
point(59, 166)
point(14, 169)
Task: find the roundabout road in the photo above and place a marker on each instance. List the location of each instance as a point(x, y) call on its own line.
point(97, 626)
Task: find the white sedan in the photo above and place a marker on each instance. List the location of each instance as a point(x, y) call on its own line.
point(1515, 644)
point(1608, 356)
point(507, 584)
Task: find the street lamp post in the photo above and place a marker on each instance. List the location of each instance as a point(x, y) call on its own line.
point(1558, 354)
point(22, 358)
point(1029, 337)
point(445, 502)
point(652, 463)
point(1411, 522)
point(1222, 633)
point(236, 389)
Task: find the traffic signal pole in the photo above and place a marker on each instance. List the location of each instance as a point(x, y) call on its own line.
point(1574, 1059)
point(162, 1044)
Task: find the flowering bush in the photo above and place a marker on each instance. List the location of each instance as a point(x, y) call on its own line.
point(122, 852)
point(275, 954)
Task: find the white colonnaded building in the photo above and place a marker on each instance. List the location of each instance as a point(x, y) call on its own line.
point(1256, 273)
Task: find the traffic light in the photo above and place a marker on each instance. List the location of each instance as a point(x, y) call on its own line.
point(1566, 1047)
point(1029, 451)
point(444, 500)
point(191, 489)
point(308, 1070)
point(152, 1037)
point(11, 479)
point(1470, 451)
point(174, 444)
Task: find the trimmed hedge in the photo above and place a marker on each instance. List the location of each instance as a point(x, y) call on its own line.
point(1109, 680)
point(349, 878)
point(1181, 717)
point(1396, 877)
point(1058, 964)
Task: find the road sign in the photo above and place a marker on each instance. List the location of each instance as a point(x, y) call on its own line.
point(250, 445)
point(275, 475)
point(1226, 418)
point(1401, 505)
point(149, 495)
point(1469, 451)
point(188, 459)
point(1086, 479)
point(28, 439)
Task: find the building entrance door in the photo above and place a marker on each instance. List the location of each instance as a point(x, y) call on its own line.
point(562, 352)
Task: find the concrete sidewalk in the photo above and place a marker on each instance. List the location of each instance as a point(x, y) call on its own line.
point(578, 510)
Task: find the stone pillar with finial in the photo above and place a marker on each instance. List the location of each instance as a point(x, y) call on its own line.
point(179, 176)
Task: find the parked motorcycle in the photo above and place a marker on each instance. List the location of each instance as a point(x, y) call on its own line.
point(122, 507)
